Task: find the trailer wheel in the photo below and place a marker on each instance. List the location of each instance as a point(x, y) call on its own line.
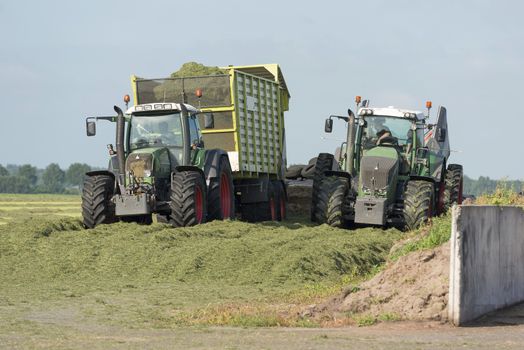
point(418, 203)
point(188, 199)
point(97, 207)
point(269, 209)
point(324, 163)
point(453, 186)
point(221, 195)
point(262, 211)
point(281, 202)
point(332, 197)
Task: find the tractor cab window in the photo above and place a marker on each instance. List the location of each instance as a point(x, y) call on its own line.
point(154, 131)
point(194, 131)
point(385, 128)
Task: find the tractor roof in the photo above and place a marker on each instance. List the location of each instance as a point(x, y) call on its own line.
point(160, 106)
point(394, 112)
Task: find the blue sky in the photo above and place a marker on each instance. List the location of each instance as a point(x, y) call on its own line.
point(63, 60)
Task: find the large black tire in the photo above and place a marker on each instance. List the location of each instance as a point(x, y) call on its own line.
point(453, 187)
point(221, 193)
point(418, 203)
point(294, 171)
point(324, 163)
point(97, 207)
point(188, 199)
point(333, 194)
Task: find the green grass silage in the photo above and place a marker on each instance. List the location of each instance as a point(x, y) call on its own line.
point(216, 273)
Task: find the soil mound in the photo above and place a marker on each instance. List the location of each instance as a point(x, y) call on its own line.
point(415, 287)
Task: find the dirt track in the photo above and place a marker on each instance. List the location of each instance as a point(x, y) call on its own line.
point(492, 333)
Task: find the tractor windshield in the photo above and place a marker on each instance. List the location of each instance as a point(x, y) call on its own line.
point(380, 127)
point(154, 131)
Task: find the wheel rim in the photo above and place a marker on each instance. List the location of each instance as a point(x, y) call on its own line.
point(273, 209)
point(199, 205)
point(282, 209)
point(225, 197)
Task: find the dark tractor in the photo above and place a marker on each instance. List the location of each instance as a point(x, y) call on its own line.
point(391, 171)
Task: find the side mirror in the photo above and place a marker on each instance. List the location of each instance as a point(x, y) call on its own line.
point(209, 121)
point(90, 128)
point(365, 103)
point(441, 135)
point(328, 127)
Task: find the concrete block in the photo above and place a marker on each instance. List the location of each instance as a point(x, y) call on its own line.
point(487, 260)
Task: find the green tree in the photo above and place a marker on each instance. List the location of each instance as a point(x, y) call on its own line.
point(75, 174)
point(3, 171)
point(53, 179)
point(29, 172)
point(14, 184)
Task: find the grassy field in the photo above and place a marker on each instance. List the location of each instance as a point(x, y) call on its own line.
point(22, 207)
point(55, 274)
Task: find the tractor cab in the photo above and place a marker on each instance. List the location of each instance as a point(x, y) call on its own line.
point(400, 129)
point(161, 126)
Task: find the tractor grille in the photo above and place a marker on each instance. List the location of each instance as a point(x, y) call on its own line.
point(381, 169)
point(138, 163)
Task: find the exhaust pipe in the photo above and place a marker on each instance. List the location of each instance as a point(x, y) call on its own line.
point(350, 148)
point(120, 153)
point(186, 155)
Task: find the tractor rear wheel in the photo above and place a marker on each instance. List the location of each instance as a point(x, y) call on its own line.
point(188, 199)
point(418, 203)
point(333, 194)
point(220, 194)
point(324, 163)
point(453, 186)
point(97, 207)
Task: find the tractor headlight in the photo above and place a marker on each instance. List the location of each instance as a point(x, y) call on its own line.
point(147, 173)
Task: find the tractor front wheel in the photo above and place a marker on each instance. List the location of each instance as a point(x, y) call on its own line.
point(332, 196)
point(188, 199)
point(418, 203)
point(97, 207)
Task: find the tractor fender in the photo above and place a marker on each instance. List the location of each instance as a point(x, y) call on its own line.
point(212, 162)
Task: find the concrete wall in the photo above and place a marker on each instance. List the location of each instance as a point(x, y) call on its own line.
point(487, 260)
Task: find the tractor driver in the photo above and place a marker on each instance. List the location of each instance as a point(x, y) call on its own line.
point(376, 131)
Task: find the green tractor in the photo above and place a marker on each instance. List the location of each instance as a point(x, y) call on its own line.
point(392, 170)
point(164, 164)
point(160, 167)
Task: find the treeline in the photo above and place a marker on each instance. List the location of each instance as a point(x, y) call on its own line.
point(485, 185)
point(29, 179)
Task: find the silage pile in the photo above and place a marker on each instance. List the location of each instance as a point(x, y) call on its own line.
point(267, 255)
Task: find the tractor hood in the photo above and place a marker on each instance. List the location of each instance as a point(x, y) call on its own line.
point(378, 171)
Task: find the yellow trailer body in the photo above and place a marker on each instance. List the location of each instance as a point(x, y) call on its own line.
point(247, 105)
